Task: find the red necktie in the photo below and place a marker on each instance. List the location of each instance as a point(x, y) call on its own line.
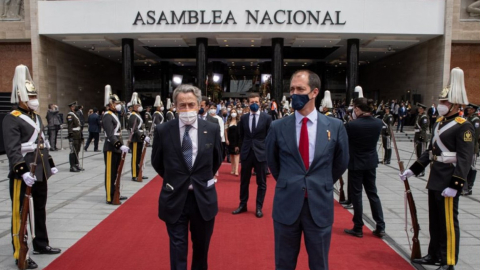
point(303, 144)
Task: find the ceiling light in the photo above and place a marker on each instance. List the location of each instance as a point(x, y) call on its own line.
point(252, 40)
point(226, 45)
point(224, 40)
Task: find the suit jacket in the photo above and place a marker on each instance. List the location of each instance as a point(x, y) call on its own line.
point(363, 134)
point(168, 162)
point(402, 111)
point(287, 167)
point(94, 123)
point(255, 141)
point(53, 119)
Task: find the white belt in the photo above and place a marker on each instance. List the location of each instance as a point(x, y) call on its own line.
point(417, 130)
point(445, 157)
point(76, 129)
point(149, 121)
point(117, 134)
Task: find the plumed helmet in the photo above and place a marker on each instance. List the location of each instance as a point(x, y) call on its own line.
point(359, 90)
point(135, 99)
point(455, 92)
point(328, 100)
point(158, 102)
point(169, 103)
point(109, 96)
point(23, 85)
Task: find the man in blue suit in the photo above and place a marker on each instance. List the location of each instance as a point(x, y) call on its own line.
point(93, 130)
point(402, 114)
point(305, 153)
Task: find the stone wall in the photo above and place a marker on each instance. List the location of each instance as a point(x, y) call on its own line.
point(467, 57)
point(12, 55)
point(418, 69)
point(16, 30)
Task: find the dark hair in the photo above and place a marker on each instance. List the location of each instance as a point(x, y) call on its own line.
point(95, 110)
point(365, 105)
point(204, 98)
point(253, 95)
point(313, 79)
point(50, 105)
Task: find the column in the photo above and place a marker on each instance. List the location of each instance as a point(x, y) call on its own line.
point(166, 77)
point(202, 46)
point(352, 67)
point(277, 69)
point(127, 68)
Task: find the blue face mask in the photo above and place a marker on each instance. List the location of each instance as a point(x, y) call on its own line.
point(299, 101)
point(254, 107)
point(201, 111)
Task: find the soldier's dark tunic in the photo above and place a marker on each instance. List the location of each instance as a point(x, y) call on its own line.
point(157, 118)
point(421, 139)
point(136, 144)
point(148, 121)
point(475, 121)
point(111, 151)
point(455, 136)
point(170, 116)
point(386, 137)
point(17, 131)
point(74, 133)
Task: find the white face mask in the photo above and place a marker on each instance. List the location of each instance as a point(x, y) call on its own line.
point(140, 109)
point(33, 104)
point(188, 118)
point(118, 107)
point(212, 111)
point(161, 109)
point(229, 109)
point(234, 115)
point(174, 109)
point(442, 109)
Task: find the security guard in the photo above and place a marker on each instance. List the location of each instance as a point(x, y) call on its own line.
point(157, 115)
point(386, 136)
point(421, 126)
point(450, 156)
point(472, 117)
point(21, 130)
point(138, 135)
point(113, 147)
point(75, 137)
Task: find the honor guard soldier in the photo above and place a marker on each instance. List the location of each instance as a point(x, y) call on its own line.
point(148, 120)
point(75, 137)
point(421, 126)
point(128, 114)
point(135, 123)
point(327, 104)
point(157, 115)
point(22, 133)
point(113, 146)
point(386, 137)
point(450, 156)
point(472, 117)
point(171, 111)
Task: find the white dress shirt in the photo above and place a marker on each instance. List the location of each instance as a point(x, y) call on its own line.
point(250, 119)
point(312, 131)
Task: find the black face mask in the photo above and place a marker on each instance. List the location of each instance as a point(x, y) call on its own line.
point(224, 115)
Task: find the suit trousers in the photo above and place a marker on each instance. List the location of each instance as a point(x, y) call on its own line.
point(359, 179)
point(443, 228)
point(401, 122)
point(112, 161)
point(39, 194)
point(246, 173)
point(136, 148)
point(95, 136)
point(288, 240)
point(52, 136)
point(201, 231)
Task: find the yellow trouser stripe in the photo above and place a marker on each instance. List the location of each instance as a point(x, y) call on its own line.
point(17, 186)
point(450, 231)
point(134, 160)
point(109, 176)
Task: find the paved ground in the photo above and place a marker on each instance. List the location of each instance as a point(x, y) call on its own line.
point(76, 204)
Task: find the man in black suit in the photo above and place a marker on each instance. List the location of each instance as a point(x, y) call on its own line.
point(54, 123)
point(203, 111)
point(187, 157)
point(363, 133)
point(253, 130)
point(432, 115)
point(93, 130)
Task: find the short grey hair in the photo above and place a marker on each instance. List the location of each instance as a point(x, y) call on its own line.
point(186, 88)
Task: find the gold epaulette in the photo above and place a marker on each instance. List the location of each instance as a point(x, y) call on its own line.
point(440, 119)
point(16, 113)
point(460, 120)
point(109, 112)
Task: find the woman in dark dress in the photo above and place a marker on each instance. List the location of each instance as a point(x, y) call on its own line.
point(232, 139)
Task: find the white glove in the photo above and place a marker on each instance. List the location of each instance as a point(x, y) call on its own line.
point(124, 149)
point(54, 170)
point(449, 192)
point(406, 174)
point(147, 140)
point(28, 179)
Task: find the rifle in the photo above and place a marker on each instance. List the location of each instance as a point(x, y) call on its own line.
point(22, 233)
point(116, 194)
point(416, 252)
point(341, 196)
point(144, 151)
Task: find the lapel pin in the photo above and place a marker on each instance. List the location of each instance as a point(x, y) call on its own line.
point(328, 134)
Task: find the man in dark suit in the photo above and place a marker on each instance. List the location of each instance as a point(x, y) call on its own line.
point(432, 115)
point(306, 153)
point(363, 133)
point(203, 111)
point(93, 130)
point(253, 130)
point(54, 123)
point(187, 157)
point(402, 114)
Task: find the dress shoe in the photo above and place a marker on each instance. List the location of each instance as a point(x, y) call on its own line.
point(426, 260)
point(123, 198)
point(30, 264)
point(85, 149)
point(80, 168)
point(134, 179)
point(348, 206)
point(52, 149)
point(74, 169)
point(345, 202)
point(421, 174)
point(47, 250)
point(259, 213)
point(358, 234)
point(379, 233)
point(144, 177)
point(446, 267)
point(387, 162)
point(97, 151)
point(240, 209)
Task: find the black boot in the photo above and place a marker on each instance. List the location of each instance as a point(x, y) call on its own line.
point(71, 159)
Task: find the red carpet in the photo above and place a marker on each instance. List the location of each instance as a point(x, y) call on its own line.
point(133, 237)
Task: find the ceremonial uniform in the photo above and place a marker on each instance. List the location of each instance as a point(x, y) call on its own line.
point(157, 118)
point(387, 137)
point(421, 137)
point(75, 138)
point(170, 116)
point(148, 121)
point(111, 151)
point(475, 121)
point(136, 143)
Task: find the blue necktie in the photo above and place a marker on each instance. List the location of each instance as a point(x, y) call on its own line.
point(187, 147)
